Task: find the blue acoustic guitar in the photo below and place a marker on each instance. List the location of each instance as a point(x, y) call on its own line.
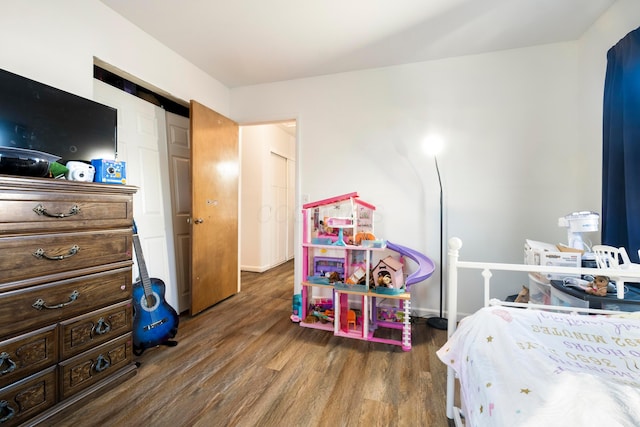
point(155, 322)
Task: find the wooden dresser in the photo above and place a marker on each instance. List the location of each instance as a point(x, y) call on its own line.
point(65, 294)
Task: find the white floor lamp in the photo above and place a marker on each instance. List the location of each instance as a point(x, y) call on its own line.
point(433, 146)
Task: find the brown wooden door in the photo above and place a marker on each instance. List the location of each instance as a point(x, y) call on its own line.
point(214, 207)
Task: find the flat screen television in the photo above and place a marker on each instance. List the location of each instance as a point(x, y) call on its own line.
point(39, 117)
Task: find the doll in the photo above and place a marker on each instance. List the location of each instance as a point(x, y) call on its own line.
point(598, 286)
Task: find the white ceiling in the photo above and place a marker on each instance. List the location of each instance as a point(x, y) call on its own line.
point(246, 42)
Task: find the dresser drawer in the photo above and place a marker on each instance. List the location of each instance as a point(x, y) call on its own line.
point(32, 256)
point(28, 397)
point(36, 306)
point(86, 331)
point(89, 367)
point(39, 205)
point(27, 354)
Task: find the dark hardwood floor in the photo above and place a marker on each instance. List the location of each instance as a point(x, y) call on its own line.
point(244, 363)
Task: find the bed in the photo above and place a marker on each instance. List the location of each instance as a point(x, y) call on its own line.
point(522, 364)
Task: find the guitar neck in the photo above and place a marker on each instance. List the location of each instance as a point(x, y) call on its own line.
point(142, 266)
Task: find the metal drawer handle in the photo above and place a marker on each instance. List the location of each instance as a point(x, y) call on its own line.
point(5, 358)
point(40, 253)
point(6, 409)
point(101, 364)
point(102, 326)
point(41, 210)
point(40, 304)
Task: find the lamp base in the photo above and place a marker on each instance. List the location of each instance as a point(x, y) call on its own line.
point(438, 323)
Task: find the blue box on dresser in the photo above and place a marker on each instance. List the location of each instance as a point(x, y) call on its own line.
point(109, 171)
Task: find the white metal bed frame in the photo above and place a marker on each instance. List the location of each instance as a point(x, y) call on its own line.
point(619, 276)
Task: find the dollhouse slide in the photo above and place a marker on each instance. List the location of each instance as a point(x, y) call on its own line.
point(425, 264)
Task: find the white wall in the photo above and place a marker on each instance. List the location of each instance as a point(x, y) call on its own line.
point(522, 129)
point(55, 42)
point(251, 190)
point(257, 142)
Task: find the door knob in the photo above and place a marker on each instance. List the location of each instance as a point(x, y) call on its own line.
point(199, 220)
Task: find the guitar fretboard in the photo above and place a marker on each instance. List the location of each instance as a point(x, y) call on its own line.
point(142, 267)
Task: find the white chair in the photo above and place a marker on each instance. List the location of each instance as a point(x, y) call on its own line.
point(609, 257)
point(624, 255)
point(626, 261)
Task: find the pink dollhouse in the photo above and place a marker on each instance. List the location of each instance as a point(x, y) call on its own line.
point(338, 249)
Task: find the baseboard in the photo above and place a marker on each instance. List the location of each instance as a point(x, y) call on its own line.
point(253, 269)
point(261, 269)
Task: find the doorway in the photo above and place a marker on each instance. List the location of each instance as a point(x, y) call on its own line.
point(267, 195)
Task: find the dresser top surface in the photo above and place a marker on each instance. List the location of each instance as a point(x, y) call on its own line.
point(8, 182)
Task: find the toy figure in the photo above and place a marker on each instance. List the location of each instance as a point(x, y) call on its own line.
point(598, 287)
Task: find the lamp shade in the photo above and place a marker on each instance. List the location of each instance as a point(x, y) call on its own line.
point(432, 145)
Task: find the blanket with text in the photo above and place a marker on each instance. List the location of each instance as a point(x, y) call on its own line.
point(521, 367)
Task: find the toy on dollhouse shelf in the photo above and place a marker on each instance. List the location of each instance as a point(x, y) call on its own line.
point(390, 314)
point(388, 276)
point(338, 220)
point(357, 276)
point(340, 224)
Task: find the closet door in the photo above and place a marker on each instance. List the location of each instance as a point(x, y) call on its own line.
point(291, 202)
point(179, 161)
point(279, 220)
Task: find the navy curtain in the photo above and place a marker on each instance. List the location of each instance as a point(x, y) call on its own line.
point(621, 146)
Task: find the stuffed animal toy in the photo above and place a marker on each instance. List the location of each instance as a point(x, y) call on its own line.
point(384, 279)
point(523, 296)
point(598, 287)
point(334, 277)
point(363, 235)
